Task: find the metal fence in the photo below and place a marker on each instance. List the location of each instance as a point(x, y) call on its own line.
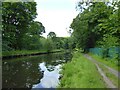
point(112, 52)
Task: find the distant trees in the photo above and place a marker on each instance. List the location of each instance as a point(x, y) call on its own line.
point(49, 45)
point(95, 23)
point(21, 32)
point(59, 42)
point(51, 35)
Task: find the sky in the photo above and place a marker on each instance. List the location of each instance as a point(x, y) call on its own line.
point(56, 15)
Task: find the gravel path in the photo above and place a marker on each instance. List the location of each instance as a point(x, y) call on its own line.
point(105, 78)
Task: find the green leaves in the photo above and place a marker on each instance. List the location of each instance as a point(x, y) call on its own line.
point(16, 17)
point(98, 22)
point(36, 28)
point(51, 35)
point(108, 41)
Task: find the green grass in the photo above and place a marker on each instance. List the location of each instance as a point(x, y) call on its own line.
point(23, 52)
point(112, 77)
point(109, 62)
point(81, 73)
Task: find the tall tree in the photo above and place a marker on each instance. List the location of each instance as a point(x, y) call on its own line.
point(31, 39)
point(93, 23)
point(16, 17)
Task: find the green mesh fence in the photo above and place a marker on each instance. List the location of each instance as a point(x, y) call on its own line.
point(112, 52)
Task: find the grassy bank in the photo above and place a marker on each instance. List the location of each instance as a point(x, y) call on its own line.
point(26, 52)
point(81, 73)
point(109, 62)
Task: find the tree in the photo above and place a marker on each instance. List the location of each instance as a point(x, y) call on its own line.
point(36, 28)
point(51, 35)
point(16, 18)
point(31, 40)
point(93, 23)
point(49, 45)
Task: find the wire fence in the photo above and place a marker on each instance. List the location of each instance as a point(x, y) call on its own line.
point(112, 52)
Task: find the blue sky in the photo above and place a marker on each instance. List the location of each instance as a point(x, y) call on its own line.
point(56, 15)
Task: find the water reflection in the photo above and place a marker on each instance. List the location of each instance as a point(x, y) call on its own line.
point(25, 72)
point(50, 78)
point(20, 74)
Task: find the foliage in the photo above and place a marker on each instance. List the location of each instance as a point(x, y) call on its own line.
point(108, 41)
point(96, 23)
point(15, 20)
point(84, 77)
point(51, 35)
point(49, 45)
point(110, 62)
point(36, 28)
point(61, 42)
point(31, 40)
point(25, 52)
point(20, 31)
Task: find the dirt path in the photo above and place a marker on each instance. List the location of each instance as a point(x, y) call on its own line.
point(113, 71)
point(105, 78)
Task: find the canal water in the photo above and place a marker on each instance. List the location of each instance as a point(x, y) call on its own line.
point(41, 71)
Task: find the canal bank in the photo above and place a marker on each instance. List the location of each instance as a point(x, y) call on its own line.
point(14, 54)
point(81, 73)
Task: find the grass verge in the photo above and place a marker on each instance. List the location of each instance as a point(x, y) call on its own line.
point(109, 62)
point(81, 73)
point(112, 77)
point(24, 52)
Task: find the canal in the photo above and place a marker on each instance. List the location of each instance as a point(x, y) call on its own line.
point(41, 71)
